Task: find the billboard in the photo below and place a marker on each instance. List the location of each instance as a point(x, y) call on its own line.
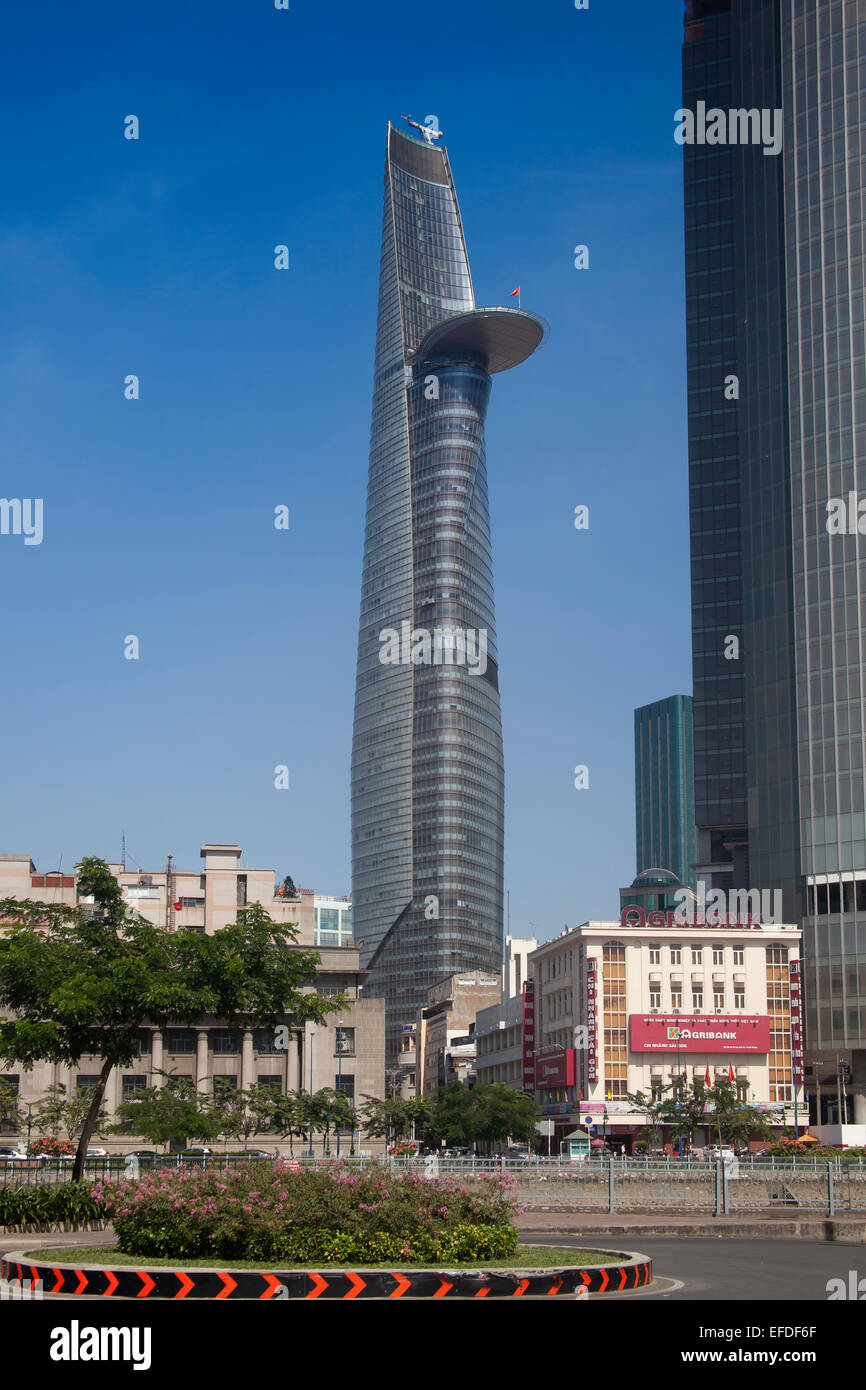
point(556, 1069)
point(707, 1033)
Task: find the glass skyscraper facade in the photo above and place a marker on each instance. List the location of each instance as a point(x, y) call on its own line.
point(664, 788)
point(775, 299)
point(427, 765)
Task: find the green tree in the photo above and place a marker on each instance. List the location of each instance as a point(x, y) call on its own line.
point(735, 1122)
point(288, 887)
point(499, 1113)
point(78, 982)
point(453, 1114)
point(10, 1108)
point(329, 1109)
point(653, 1105)
point(172, 1113)
point(286, 1115)
point(389, 1119)
point(60, 1113)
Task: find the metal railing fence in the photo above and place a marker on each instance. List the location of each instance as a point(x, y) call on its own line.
point(609, 1183)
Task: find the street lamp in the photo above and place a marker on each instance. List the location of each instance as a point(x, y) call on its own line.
point(312, 1035)
point(339, 1073)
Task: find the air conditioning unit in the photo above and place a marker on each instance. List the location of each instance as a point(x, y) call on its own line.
point(655, 1011)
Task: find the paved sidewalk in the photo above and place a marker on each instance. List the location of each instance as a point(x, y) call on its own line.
point(772, 1225)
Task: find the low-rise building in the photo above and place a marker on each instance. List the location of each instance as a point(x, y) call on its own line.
point(448, 1022)
point(628, 1006)
point(346, 1053)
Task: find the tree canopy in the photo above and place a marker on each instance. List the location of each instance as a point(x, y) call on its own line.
point(84, 980)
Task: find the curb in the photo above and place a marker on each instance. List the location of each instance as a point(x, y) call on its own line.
point(848, 1232)
point(633, 1271)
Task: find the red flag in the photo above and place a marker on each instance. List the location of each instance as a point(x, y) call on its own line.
point(514, 292)
point(580, 1095)
point(178, 905)
point(280, 891)
point(731, 1074)
point(707, 1075)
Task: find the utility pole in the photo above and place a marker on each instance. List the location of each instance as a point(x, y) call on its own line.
point(169, 896)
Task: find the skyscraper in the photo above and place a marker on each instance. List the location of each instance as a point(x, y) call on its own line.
point(777, 434)
point(664, 788)
point(427, 766)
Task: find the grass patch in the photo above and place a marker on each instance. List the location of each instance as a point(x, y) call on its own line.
point(526, 1257)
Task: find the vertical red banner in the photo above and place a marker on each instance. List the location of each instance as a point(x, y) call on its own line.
point(591, 1033)
point(529, 1036)
point(795, 993)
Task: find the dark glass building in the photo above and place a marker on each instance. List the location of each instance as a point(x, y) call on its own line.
point(777, 431)
point(664, 788)
point(427, 766)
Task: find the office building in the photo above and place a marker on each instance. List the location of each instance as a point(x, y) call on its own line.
point(427, 766)
point(664, 788)
point(777, 434)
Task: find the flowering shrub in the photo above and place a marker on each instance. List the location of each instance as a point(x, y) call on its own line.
point(52, 1146)
point(263, 1212)
point(404, 1148)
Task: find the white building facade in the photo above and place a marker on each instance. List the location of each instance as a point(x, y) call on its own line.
point(622, 1007)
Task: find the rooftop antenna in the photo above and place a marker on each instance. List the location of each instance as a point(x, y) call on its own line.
point(123, 850)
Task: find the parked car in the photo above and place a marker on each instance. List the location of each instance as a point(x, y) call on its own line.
point(258, 1153)
point(10, 1157)
point(195, 1155)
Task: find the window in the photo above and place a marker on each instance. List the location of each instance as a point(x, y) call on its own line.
point(739, 955)
point(697, 998)
point(270, 1083)
point(742, 1087)
point(346, 1084)
point(614, 1014)
point(719, 999)
point(242, 890)
point(718, 955)
point(130, 1084)
point(142, 1042)
point(655, 955)
point(224, 1083)
point(676, 997)
point(655, 996)
point(739, 996)
point(180, 1040)
point(265, 1043)
point(656, 1087)
point(192, 902)
point(344, 1043)
point(697, 955)
point(86, 1081)
point(676, 955)
point(223, 1041)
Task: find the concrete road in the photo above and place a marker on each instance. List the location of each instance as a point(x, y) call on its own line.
point(731, 1270)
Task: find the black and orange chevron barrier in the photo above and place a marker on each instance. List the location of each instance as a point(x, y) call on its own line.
point(629, 1273)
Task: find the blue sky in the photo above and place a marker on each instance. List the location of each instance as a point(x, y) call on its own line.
point(155, 257)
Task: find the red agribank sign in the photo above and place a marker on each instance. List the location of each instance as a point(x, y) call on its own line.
point(699, 1033)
